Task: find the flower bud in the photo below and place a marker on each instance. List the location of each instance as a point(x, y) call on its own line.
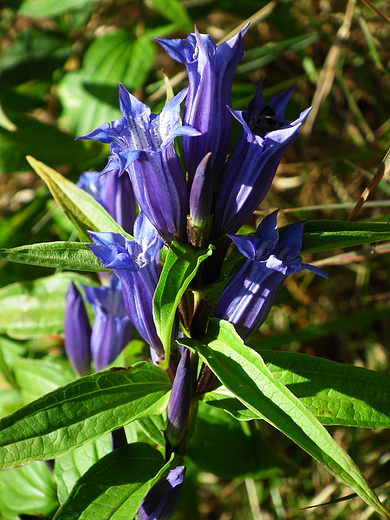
point(160, 503)
point(112, 327)
point(179, 401)
point(77, 332)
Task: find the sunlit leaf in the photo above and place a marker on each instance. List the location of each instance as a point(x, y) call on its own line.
point(81, 411)
point(64, 255)
point(244, 373)
point(81, 208)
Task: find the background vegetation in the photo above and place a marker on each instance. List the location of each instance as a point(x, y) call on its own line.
point(60, 64)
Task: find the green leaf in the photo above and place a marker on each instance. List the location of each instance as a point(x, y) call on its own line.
point(37, 377)
point(337, 394)
point(244, 373)
point(181, 265)
point(29, 490)
point(90, 96)
point(225, 399)
point(154, 428)
point(9, 401)
point(64, 255)
point(32, 46)
point(220, 446)
point(71, 466)
point(80, 207)
point(176, 12)
point(115, 486)
point(326, 235)
point(38, 8)
point(29, 309)
point(81, 411)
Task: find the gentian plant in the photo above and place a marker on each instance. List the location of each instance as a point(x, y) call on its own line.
point(194, 289)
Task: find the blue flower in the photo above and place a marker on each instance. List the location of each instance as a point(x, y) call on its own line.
point(180, 401)
point(210, 71)
point(112, 328)
point(160, 503)
point(251, 167)
point(77, 332)
point(114, 193)
point(137, 265)
point(249, 296)
point(142, 144)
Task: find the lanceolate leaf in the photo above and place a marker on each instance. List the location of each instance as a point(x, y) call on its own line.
point(244, 373)
point(326, 235)
point(335, 393)
point(116, 483)
point(180, 267)
point(80, 207)
point(81, 411)
point(64, 255)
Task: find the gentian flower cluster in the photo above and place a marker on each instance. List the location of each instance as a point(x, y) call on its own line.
point(203, 200)
point(111, 331)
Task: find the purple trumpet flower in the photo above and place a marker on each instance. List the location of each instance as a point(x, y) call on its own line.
point(142, 144)
point(161, 501)
point(137, 265)
point(77, 332)
point(112, 328)
point(251, 167)
point(114, 193)
point(180, 401)
point(210, 71)
point(249, 296)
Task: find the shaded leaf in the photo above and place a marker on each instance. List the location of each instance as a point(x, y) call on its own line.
point(176, 12)
point(28, 490)
point(36, 308)
point(71, 466)
point(47, 142)
point(219, 446)
point(37, 377)
point(38, 8)
point(90, 96)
